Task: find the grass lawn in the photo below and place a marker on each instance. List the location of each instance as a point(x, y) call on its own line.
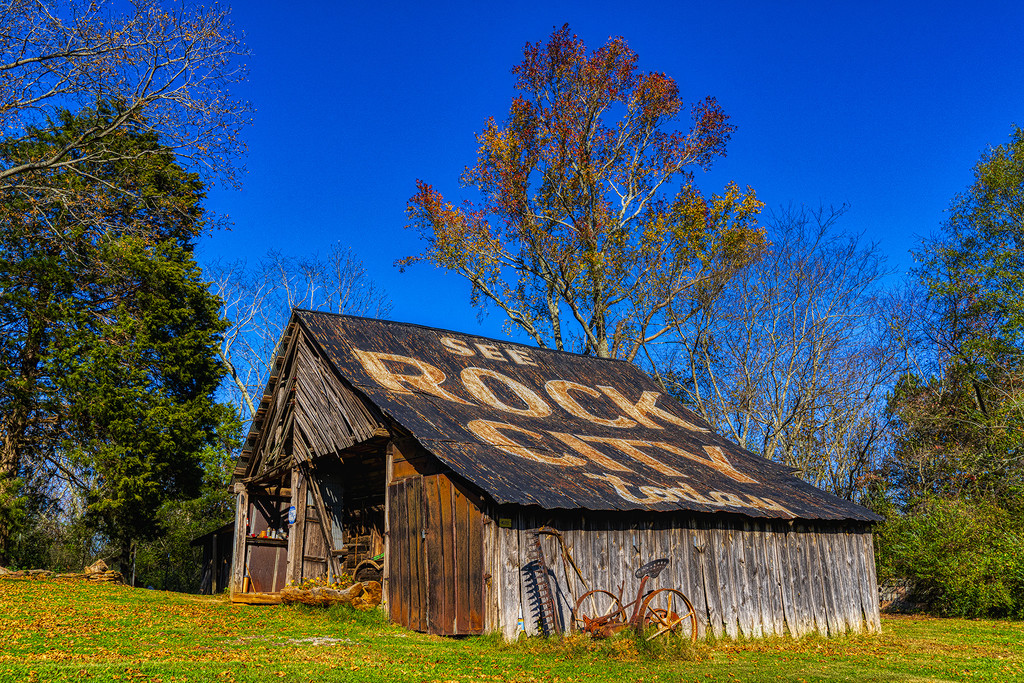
point(54, 630)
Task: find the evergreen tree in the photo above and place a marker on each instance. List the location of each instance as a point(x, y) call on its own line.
point(109, 337)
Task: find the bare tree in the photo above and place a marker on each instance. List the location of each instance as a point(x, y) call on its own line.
point(793, 358)
point(258, 299)
point(144, 65)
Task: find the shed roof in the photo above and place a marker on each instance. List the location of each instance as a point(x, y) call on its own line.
point(560, 430)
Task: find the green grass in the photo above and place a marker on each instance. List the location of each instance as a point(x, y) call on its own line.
point(72, 631)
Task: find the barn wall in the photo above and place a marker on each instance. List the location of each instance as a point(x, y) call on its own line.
point(749, 578)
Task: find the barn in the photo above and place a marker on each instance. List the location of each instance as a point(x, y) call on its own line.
point(489, 485)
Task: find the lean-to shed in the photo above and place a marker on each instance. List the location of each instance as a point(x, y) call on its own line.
point(432, 458)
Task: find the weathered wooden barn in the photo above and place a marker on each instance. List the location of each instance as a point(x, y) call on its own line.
point(434, 458)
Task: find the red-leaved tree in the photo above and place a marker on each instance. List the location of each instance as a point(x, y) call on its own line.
point(589, 232)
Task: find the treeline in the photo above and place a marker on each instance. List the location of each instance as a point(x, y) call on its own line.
point(952, 484)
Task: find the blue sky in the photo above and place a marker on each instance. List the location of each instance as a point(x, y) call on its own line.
point(884, 106)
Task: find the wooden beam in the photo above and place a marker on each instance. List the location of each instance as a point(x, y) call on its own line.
point(272, 491)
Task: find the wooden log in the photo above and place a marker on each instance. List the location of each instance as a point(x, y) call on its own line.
point(256, 598)
point(361, 595)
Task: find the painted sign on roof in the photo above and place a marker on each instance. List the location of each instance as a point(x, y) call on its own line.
point(559, 430)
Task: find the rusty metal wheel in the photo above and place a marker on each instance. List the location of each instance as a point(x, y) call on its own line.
point(599, 613)
point(669, 613)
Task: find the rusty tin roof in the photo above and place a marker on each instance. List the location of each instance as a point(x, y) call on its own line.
point(538, 427)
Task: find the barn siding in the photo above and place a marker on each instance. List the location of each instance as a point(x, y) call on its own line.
point(746, 578)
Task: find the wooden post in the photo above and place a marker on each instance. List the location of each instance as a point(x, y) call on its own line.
point(297, 531)
point(214, 565)
point(241, 514)
point(389, 470)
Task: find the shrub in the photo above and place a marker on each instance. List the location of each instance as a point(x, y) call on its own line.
point(966, 558)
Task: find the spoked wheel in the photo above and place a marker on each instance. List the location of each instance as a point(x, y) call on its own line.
point(598, 613)
point(668, 613)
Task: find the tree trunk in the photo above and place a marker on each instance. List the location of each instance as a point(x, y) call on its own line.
point(12, 438)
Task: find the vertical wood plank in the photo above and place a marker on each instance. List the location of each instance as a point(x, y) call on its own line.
point(853, 574)
point(857, 584)
point(742, 577)
point(702, 573)
point(389, 468)
point(780, 599)
point(617, 560)
point(811, 586)
point(869, 600)
point(528, 591)
point(508, 544)
point(689, 543)
point(297, 531)
point(826, 567)
point(723, 578)
point(462, 587)
point(817, 582)
point(766, 614)
point(492, 596)
point(560, 582)
point(241, 513)
point(837, 569)
point(751, 579)
point(476, 587)
point(872, 577)
point(398, 596)
point(417, 559)
point(848, 579)
point(436, 578)
point(803, 623)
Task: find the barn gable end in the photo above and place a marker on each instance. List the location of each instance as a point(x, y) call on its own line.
point(433, 459)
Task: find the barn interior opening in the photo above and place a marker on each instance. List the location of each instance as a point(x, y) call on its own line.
point(353, 490)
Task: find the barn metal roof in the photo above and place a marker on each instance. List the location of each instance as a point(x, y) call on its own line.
point(559, 430)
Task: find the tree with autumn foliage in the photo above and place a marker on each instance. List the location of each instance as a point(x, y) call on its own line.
point(590, 233)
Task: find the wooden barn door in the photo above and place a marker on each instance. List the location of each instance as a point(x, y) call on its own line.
point(406, 572)
point(436, 565)
point(455, 565)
